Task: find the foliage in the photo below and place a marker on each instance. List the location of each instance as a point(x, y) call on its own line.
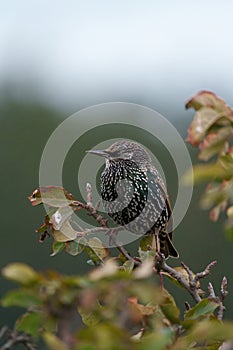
point(119, 309)
point(212, 132)
point(119, 301)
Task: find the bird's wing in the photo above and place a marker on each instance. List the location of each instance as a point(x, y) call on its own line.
point(154, 175)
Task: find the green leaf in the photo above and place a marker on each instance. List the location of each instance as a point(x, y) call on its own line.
point(204, 308)
point(57, 247)
point(156, 340)
point(169, 308)
point(104, 336)
point(204, 173)
point(212, 331)
point(30, 323)
point(53, 343)
point(76, 247)
point(20, 297)
point(20, 273)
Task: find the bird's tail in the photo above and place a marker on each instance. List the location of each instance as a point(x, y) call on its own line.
point(166, 246)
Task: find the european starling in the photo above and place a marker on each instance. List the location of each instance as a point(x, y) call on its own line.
point(134, 194)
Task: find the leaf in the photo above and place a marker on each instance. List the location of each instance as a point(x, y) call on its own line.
point(214, 143)
point(204, 308)
point(53, 342)
point(20, 273)
point(76, 246)
point(66, 233)
point(60, 216)
point(106, 270)
point(212, 330)
point(208, 99)
point(217, 196)
point(159, 340)
point(30, 323)
point(204, 173)
point(96, 250)
point(90, 318)
point(128, 266)
point(226, 162)
point(53, 196)
point(211, 110)
point(57, 248)
point(103, 336)
point(169, 308)
point(144, 310)
point(145, 269)
point(202, 121)
point(184, 274)
point(230, 212)
point(146, 242)
point(20, 297)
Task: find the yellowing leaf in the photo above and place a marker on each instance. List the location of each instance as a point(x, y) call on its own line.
point(66, 233)
point(96, 250)
point(53, 342)
point(20, 273)
point(106, 270)
point(145, 269)
point(204, 172)
point(60, 216)
point(76, 247)
point(128, 265)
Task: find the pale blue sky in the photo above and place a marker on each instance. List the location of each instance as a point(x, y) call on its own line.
point(86, 52)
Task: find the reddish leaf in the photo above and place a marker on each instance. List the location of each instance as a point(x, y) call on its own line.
point(53, 196)
point(208, 99)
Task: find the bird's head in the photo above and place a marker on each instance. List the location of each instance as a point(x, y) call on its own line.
point(124, 150)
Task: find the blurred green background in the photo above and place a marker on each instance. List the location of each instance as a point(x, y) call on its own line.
point(57, 57)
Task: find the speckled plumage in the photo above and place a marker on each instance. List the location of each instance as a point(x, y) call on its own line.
point(134, 194)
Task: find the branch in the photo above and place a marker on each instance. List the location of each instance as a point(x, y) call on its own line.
point(16, 338)
point(223, 294)
point(191, 285)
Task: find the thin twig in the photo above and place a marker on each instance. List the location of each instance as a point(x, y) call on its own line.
point(192, 285)
point(212, 294)
point(89, 194)
point(181, 279)
point(223, 294)
point(18, 338)
point(206, 272)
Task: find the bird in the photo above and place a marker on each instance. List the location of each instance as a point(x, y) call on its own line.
point(134, 194)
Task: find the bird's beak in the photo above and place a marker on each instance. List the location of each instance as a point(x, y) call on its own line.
point(101, 153)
